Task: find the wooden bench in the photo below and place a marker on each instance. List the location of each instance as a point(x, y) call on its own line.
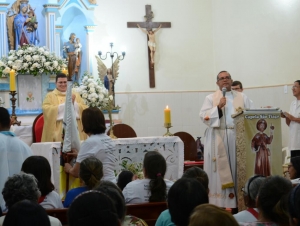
point(149, 212)
point(60, 214)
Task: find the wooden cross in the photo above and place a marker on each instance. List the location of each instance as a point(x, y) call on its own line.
point(149, 25)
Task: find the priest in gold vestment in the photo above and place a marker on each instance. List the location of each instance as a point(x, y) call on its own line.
point(53, 110)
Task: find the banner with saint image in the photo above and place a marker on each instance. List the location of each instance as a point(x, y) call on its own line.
point(263, 142)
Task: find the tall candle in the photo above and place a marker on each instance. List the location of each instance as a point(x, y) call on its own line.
point(167, 112)
point(65, 71)
point(12, 80)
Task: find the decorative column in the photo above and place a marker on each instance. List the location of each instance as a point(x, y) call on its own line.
point(4, 84)
point(58, 32)
point(89, 47)
point(50, 10)
point(3, 30)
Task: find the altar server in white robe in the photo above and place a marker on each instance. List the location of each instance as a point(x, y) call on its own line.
point(13, 152)
point(219, 143)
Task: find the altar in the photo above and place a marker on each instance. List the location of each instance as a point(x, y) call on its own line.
point(129, 149)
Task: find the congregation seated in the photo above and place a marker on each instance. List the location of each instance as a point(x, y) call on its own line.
point(97, 145)
point(294, 206)
point(92, 208)
point(154, 187)
point(198, 174)
point(250, 192)
point(20, 187)
point(271, 202)
point(112, 191)
point(26, 213)
point(40, 168)
point(90, 173)
point(124, 178)
point(191, 173)
point(183, 197)
point(211, 215)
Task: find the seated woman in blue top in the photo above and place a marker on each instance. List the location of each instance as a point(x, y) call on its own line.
point(91, 172)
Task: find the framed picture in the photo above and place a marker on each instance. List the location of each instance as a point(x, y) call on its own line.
point(29, 92)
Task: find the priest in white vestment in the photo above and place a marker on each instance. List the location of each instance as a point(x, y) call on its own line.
point(219, 141)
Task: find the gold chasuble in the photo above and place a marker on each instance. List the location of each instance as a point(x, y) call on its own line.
point(52, 130)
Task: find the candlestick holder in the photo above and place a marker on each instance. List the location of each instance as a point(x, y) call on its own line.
point(111, 133)
point(109, 110)
point(168, 134)
point(13, 107)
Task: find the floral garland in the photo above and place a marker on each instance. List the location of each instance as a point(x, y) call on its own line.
point(135, 168)
point(30, 59)
point(93, 92)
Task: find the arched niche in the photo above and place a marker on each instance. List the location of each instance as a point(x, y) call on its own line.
point(74, 20)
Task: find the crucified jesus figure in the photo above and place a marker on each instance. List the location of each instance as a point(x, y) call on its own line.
point(151, 42)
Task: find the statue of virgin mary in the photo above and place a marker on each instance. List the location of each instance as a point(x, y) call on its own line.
point(24, 35)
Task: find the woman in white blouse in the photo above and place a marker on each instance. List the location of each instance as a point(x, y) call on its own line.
point(154, 187)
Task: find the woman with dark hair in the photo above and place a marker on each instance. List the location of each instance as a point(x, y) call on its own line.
point(93, 208)
point(154, 187)
point(272, 202)
point(90, 173)
point(198, 174)
point(183, 197)
point(294, 206)
point(124, 178)
point(114, 192)
point(40, 168)
point(98, 145)
point(26, 213)
point(294, 168)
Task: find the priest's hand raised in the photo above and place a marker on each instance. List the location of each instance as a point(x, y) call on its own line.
point(222, 102)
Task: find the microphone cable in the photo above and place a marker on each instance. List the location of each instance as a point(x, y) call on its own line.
point(229, 159)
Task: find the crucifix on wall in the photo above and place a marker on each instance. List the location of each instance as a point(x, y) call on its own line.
point(149, 25)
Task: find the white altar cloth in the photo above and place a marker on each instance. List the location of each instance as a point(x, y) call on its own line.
point(23, 132)
point(130, 149)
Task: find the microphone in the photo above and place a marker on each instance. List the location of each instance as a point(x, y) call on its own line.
point(224, 90)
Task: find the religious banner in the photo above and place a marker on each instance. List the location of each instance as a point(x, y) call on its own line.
point(263, 142)
point(30, 90)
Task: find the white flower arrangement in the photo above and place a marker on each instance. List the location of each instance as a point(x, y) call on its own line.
point(4, 69)
point(30, 59)
point(93, 92)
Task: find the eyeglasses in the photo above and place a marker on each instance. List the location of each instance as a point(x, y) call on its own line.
point(223, 78)
point(295, 87)
point(62, 82)
point(289, 166)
